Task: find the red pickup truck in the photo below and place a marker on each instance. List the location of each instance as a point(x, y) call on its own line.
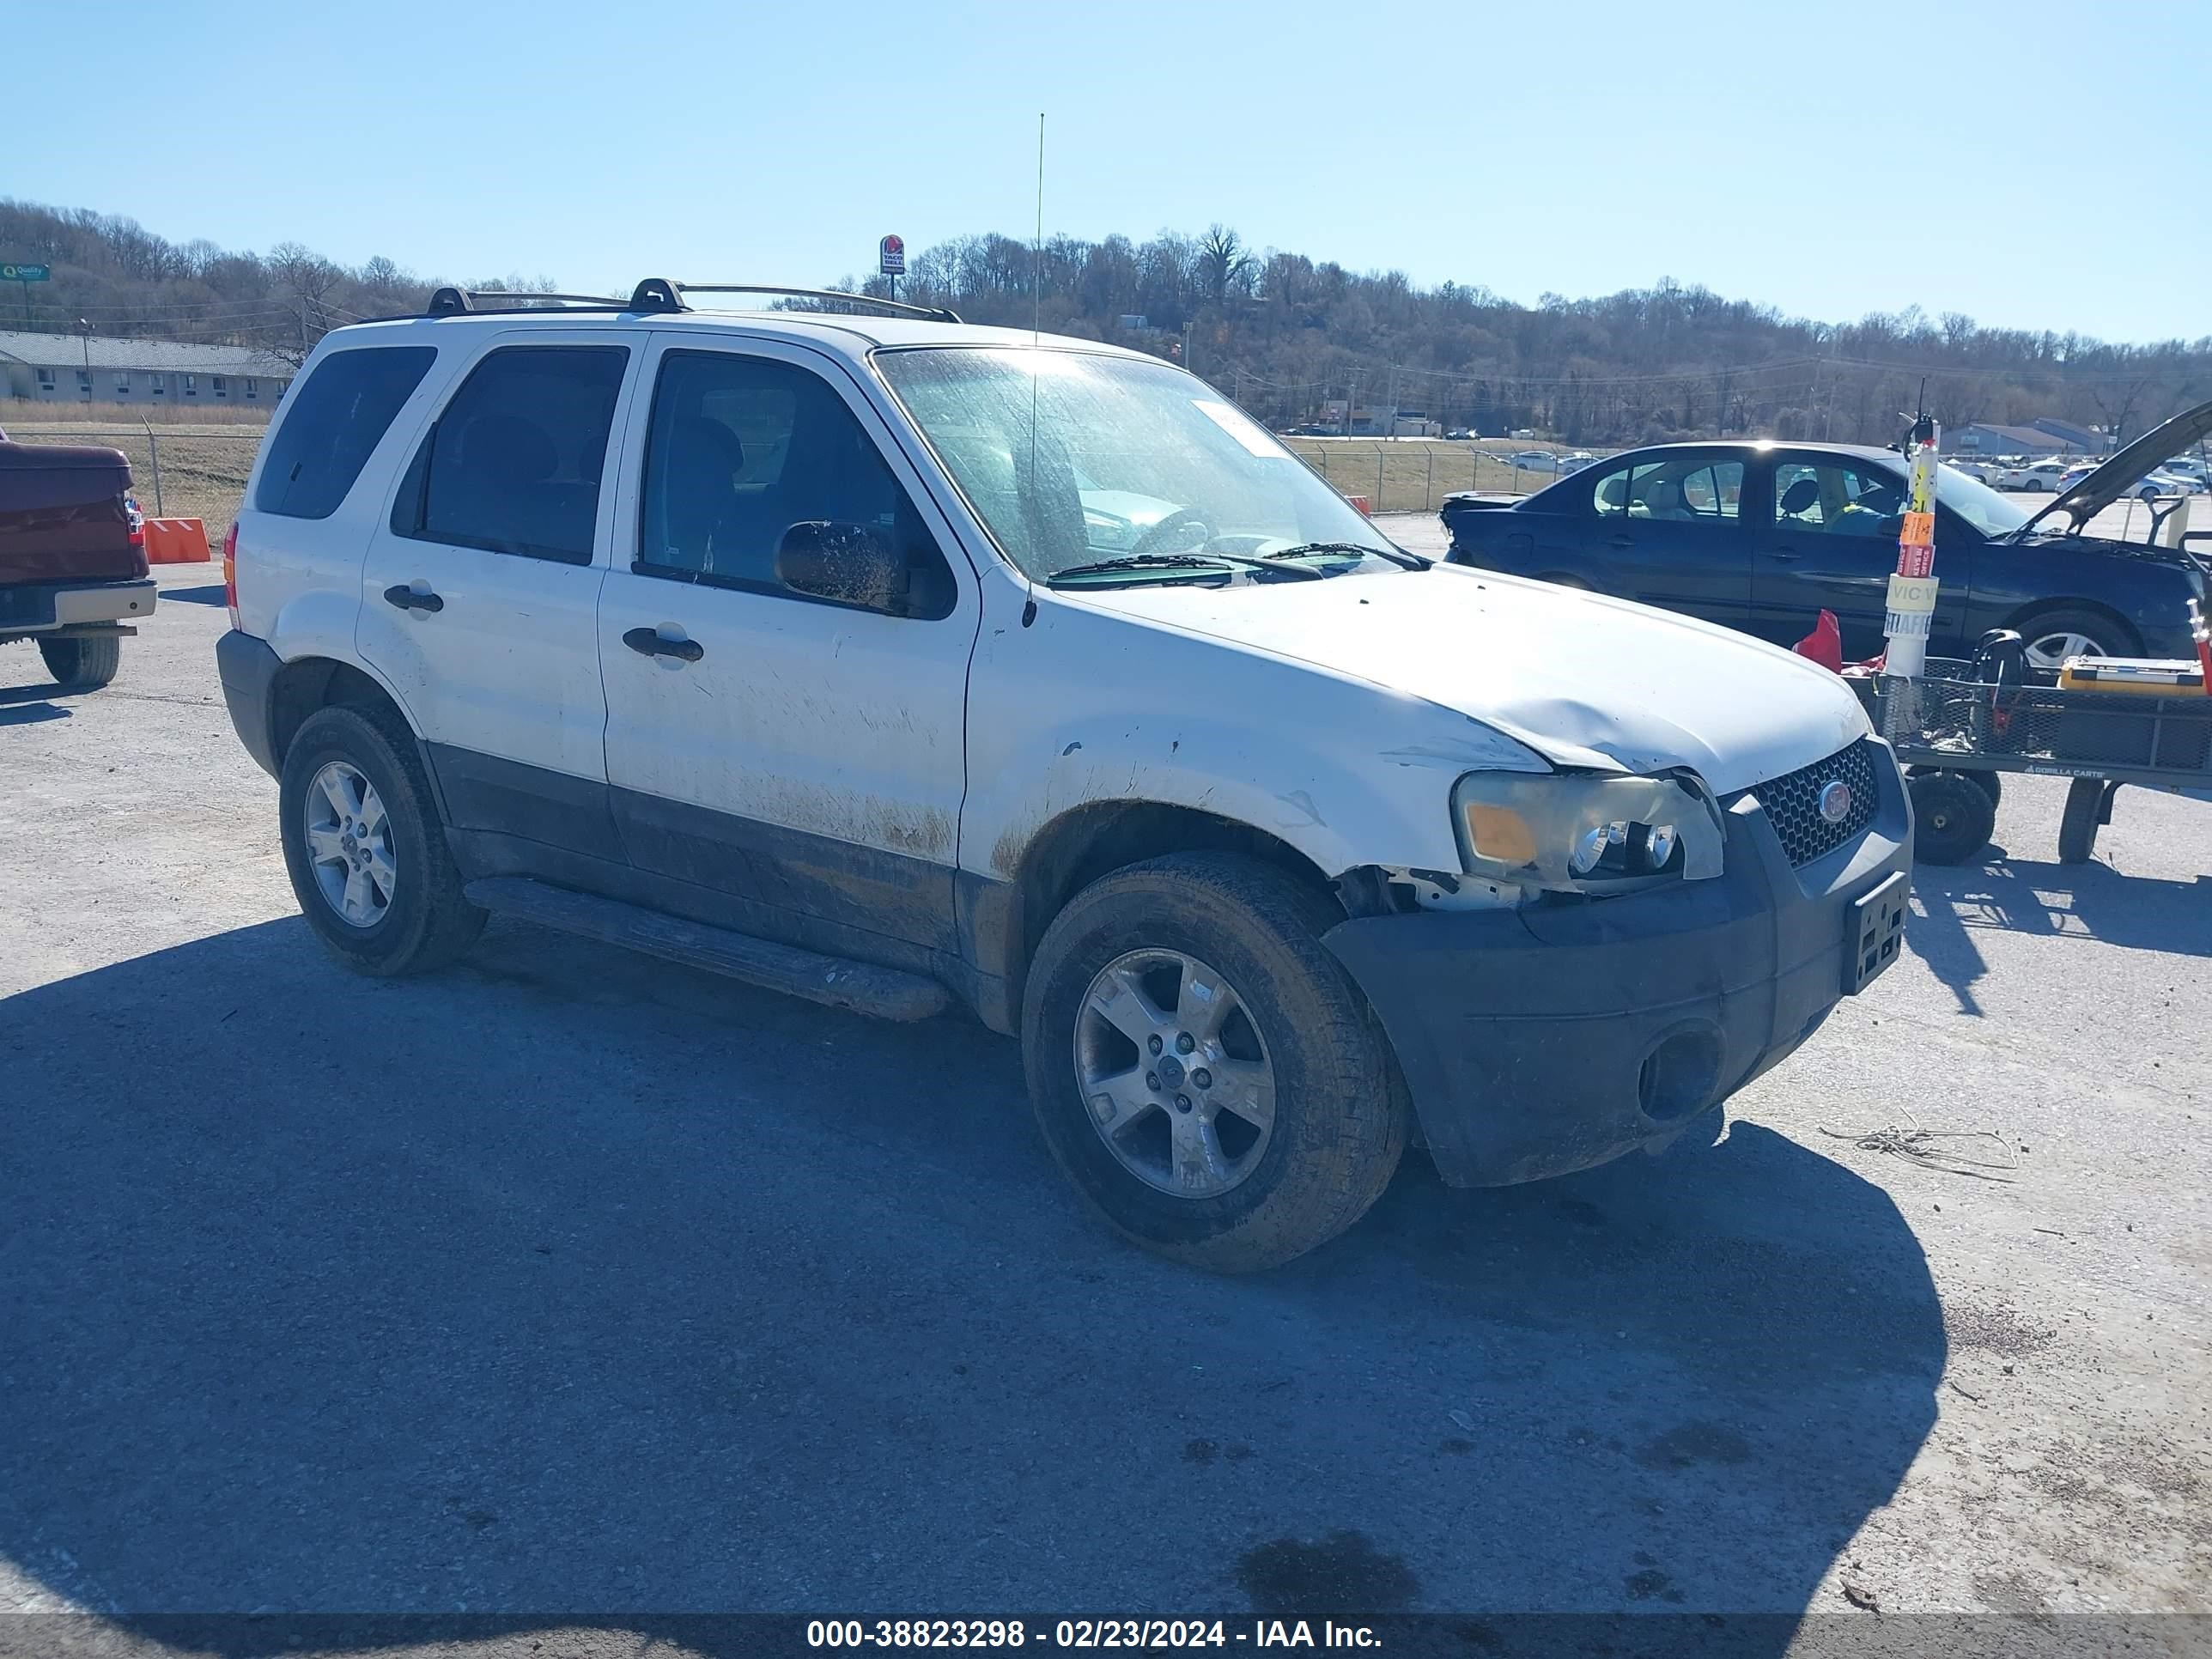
point(72, 557)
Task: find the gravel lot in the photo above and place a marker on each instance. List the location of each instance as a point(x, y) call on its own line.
point(569, 1283)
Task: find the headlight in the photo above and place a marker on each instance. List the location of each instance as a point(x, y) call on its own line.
point(1577, 833)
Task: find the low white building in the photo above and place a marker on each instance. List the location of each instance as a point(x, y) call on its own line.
point(98, 368)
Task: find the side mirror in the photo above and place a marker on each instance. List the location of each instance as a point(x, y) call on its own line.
point(852, 564)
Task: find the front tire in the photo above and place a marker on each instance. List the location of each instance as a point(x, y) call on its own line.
point(1953, 817)
point(1203, 1070)
point(2051, 636)
point(365, 847)
point(83, 664)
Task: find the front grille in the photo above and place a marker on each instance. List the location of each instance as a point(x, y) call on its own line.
point(1793, 804)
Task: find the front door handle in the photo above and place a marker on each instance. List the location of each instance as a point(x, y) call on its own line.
point(1782, 555)
point(408, 600)
point(1620, 541)
point(651, 642)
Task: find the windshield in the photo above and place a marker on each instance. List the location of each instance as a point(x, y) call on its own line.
point(1075, 461)
point(1977, 503)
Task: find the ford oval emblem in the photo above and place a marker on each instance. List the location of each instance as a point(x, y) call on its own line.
point(1835, 801)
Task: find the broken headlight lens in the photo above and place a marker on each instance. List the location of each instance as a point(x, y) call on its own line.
point(1582, 833)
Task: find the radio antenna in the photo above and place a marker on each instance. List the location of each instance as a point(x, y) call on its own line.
point(1037, 336)
point(1036, 249)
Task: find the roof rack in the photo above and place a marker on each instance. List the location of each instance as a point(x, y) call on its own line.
point(654, 296)
point(935, 313)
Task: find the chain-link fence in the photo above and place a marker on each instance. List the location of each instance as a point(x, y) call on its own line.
point(176, 472)
point(199, 471)
point(1414, 475)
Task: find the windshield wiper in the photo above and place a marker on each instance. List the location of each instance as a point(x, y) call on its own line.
point(1397, 556)
point(1180, 562)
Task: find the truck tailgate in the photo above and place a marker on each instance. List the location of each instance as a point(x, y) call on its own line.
point(62, 515)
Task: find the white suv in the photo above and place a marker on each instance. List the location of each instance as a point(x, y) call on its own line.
point(896, 663)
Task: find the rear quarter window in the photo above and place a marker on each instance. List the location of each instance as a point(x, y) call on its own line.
point(335, 421)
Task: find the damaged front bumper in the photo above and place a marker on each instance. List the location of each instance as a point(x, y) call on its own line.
point(1545, 1039)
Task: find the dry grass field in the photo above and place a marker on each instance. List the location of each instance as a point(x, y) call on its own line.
point(24, 411)
point(1414, 475)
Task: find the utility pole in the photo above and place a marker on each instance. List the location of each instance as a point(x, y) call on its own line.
point(1393, 401)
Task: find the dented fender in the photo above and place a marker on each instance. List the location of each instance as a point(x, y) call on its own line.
point(1088, 706)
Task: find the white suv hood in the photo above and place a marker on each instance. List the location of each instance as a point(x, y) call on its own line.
point(1584, 681)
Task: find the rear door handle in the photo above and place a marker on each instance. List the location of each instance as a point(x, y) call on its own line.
point(408, 600)
point(651, 642)
point(1620, 541)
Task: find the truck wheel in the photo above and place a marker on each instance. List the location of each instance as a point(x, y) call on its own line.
point(1953, 817)
point(2088, 808)
point(365, 847)
point(85, 663)
point(1203, 1069)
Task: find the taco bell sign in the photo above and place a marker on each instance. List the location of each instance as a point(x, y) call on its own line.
point(890, 257)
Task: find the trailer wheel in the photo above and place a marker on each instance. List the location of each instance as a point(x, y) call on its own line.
point(1992, 784)
point(1953, 817)
point(2088, 808)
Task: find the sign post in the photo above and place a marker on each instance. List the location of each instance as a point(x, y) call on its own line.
point(26, 274)
point(1912, 588)
point(891, 261)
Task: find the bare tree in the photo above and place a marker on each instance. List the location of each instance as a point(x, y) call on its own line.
point(1224, 265)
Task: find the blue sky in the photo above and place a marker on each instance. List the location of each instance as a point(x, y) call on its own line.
point(1765, 150)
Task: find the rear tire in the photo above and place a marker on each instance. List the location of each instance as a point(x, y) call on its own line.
point(1953, 817)
point(83, 664)
point(1338, 1118)
point(424, 922)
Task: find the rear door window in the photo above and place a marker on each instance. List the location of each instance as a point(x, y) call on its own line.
point(1679, 490)
point(335, 421)
point(513, 464)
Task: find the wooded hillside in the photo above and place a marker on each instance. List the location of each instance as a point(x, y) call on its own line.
point(1281, 332)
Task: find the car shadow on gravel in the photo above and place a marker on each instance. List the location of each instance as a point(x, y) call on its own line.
point(567, 1284)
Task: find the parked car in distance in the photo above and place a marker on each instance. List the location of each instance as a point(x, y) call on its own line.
point(2149, 488)
point(855, 656)
point(2043, 477)
point(1980, 471)
point(1533, 460)
point(2187, 466)
point(1576, 462)
point(1763, 537)
point(73, 573)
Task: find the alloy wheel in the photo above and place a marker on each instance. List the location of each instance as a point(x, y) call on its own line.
point(350, 845)
point(1174, 1075)
point(2047, 652)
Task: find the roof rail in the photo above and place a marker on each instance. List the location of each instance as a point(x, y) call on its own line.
point(654, 296)
point(935, 313)
point(470, 302)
